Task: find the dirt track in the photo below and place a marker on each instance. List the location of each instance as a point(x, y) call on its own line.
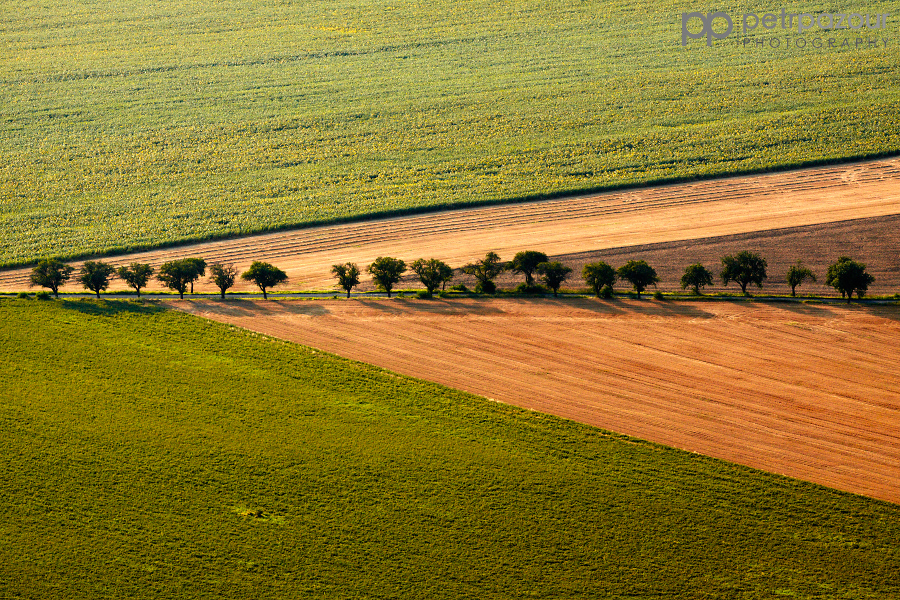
point(809, 391)
point(642, 216)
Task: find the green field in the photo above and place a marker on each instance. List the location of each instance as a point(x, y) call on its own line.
point(148, 453)
point(129, 123)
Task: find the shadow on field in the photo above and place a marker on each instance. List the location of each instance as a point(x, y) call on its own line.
point(617, 306)
point(111, 307)
point(253, 308)
point(452, 306)
point(835, 309)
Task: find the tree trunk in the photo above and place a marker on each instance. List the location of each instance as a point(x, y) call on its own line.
point(192, 288)
point(181, 294)
point(793, 294)
point(265, 297)
point(223, 293)
point(744, 288)
point(348, 294)
point(98, 294)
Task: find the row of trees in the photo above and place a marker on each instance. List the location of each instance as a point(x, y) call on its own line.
point(846, 276)
point(176, 275)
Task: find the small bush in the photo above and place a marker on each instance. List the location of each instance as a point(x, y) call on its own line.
point(606, 292)
point(524, 288)
point(423, 295)
point(443, 295)
point(22, 295)
point(401, 294)
point(459, 288)
point(42, 295)
point(658, 295)
point(486, 287)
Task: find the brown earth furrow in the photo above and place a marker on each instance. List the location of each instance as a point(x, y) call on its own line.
point(758, 352)
point(781, 390)
point(558, 227)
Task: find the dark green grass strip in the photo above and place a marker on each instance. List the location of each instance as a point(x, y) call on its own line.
point(134, 440)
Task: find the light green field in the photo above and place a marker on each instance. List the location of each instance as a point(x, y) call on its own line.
point(129, 123)
point(137, 445)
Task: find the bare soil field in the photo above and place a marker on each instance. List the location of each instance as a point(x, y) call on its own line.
point(652, 215)
point(808, 391)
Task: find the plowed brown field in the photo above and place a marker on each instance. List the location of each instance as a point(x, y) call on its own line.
point(809, 391)
point(570, 225)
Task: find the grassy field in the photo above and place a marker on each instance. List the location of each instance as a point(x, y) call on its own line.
point(151, 453)
point(131, 123)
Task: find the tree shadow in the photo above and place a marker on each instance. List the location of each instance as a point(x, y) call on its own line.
point(631, 306)
point(832, 309)
point(239, 307)
point(92, 306)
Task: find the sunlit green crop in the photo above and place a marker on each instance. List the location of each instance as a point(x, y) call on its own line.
point(131, 123)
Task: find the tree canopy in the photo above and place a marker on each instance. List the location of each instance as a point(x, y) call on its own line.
point(222, 277)
point(526, 263)
point(847, 276)
point(347, 275)
point(136, 275)
point(553, 274)
point(51, 273)
point(386, 271)
point(598, 275)
point(176, 274)
point(484, 271)
point(639, 274)
point(744, 268)
point(95, 275)
point(198, 266)
point(264, 275)
point(797, 274)
point(432, 273)
point(696, 276)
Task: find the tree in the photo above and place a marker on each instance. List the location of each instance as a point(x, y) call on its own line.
point(347, 276)
point(831, 274)
point(639, 274)
point(222, 276)
point(135, 275)
point(95, 275)
point(744, 268)
point(264, 275)
point(432, 273)
point(485, 270)
point(553, 274)
point(847, 276)
point(797, 274)
point(199, 269)
point(696, 276)
point(175, 275)
point(51, 273)
point(386, 271)
point(598, 275)
point(526, 262)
